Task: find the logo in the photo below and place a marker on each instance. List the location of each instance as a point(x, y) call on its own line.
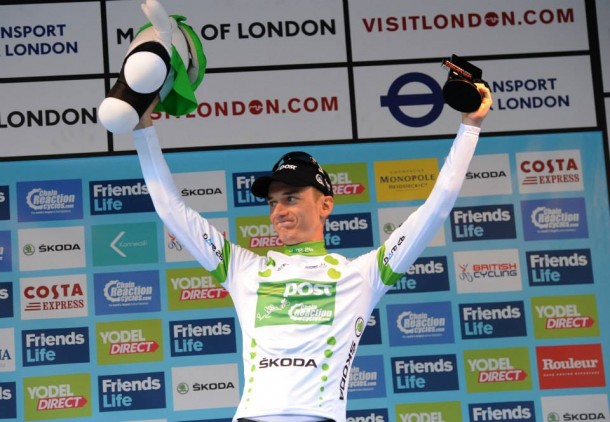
point(348, 231)
point(49, 200)
point(514, 411)
point(368, 415)
point(131, 391)
point(6, 258)
point(405, 180)
point(440, 411)
point(55, 346)
point(553, 219)
point(52, 248)
point(202, 337)
point(298, 302)
point(488, 174)
point(128, 292)
point(6, 299)
point(492, 320)
point(565, 316)
point(129, 341)
point(590, 407)
point(7, 349)
point(573, 366)
point(194, 288)
point(372, 330)
point(424, 275)
point(205, 387)
point(415, 374)
point(257, 233)
point(119, 197)
point(483, 223)
point(487, 271)
point(124, 244)
point(8, 400)
point(550, 171)
point(554, 268)
point(397, 103)
point(420, 323)
point(5, 207)
point(366, 378)
point(350, 182)
point(203, 191)
point(242, 183)
point(62, 296)
point(57, 397)
point(490, 370)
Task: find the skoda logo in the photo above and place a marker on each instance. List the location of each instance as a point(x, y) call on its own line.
point(182, 388)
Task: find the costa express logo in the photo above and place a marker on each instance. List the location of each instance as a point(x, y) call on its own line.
point(420, 323)
point(572, 366)
point(242, 183)
point(129, 341)
point(49, 200)
point(350, 182)
point(202, 337)
point(194, 288)
point(8, 400)
point(428, 274)
point(565, 316)
point(497, 370)
point(483, 223)
point(514, 411)
point(119, 197)
point(552, 219)
point(6, 260)
point(366, 378)
point(5, 208)
point(416, 374)
point(424, 412)
point(6, 299)
point(555, 268)
point(550, 171)
point(405, 180)
point(131, 392)
point(54, 297)
point(57, 397)
point(492, 320)
point(55, 346)
point(136, 291)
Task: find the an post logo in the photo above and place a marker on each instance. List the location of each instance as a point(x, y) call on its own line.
point(8, 400)
point(61, 296)
point(495, 270)
point(494, 370)
point(565, 316)
point(428, 412)
point(119, 197)
point(415, 374)
point(205, 387)
point(6, 299)
point(368, 415)
point(549, 171)
point(194, 288)
point(586, 407)
point(257, 233)
point(348, 231)
point(492, 320)
point(553, 219)
point(55, 346)
point(350, 182)
point(131, 391)
point(512, 411)
point(487, 222)
point(6, 258)
point(488, 174)
point(242, 183)
point(366, 378)
point(203, 191)
point(5, 207)
point(49, 200)
point(405, 180)
point(389, 219)
point(558, 268)
point(202, 337)
point(420, 323)
point(52, 248)
point(7, 349)
point(124, 244)
point(295, 302)
point(128, 292)
point(57, 397)
point(428, 274)
point(571, 366)
point(129, 341)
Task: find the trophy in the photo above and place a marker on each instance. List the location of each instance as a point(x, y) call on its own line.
point(460, 91)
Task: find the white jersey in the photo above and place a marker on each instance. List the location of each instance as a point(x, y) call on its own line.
point(301, 311)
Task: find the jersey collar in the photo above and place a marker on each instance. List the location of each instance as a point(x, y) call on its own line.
point(316, 248)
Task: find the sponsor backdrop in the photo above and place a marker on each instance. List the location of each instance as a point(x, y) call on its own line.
point(105, 317)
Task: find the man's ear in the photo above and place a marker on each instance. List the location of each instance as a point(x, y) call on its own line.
point(328, 202)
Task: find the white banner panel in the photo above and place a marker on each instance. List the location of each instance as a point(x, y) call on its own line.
point(245, 33)
point(603, 30)
point(50, 40)
point(388, 29)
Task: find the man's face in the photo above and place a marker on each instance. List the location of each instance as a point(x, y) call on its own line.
point(298, 214)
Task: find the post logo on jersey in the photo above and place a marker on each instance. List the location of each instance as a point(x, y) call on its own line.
point(55, 346)
point(8, 400)
point(350, 182)
point(57, 397)
point(565, 316)
point(202, 337)
point(367, 378)
point(295, 302)
point(558, 268)
point(415, 374)
point(194, 288)
point(492, 320)
point(428, 412)
point(487, 222)
point(493, 370)
point(420, 323)
point(428, 274)
point(571, 366)
point(49, 200)
point(553, 219)
point(6, 299)
point(131, 391)
point(512, 411)
point(129, 341)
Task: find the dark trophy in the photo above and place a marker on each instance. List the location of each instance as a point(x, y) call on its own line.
point(460, 91)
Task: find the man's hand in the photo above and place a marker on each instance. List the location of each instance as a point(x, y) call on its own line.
point(476, 117)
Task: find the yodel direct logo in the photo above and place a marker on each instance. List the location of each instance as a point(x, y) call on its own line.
point(565, 316)
point(557, 268)
point(129, 341)
point(131, 392)
point(504, 369)
point(57, 397)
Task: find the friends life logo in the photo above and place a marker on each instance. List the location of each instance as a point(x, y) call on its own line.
point(202, 337)
point(426, 274)
point(5, 207)
point(119, 197)
point(6, 300)
point(131, 392)
point(242, 195)
point(8, 400)
point(489, 222)
point(492, 320)
point(414, 374)
point(55, 346)
point(558, 268)
point(515, 411)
